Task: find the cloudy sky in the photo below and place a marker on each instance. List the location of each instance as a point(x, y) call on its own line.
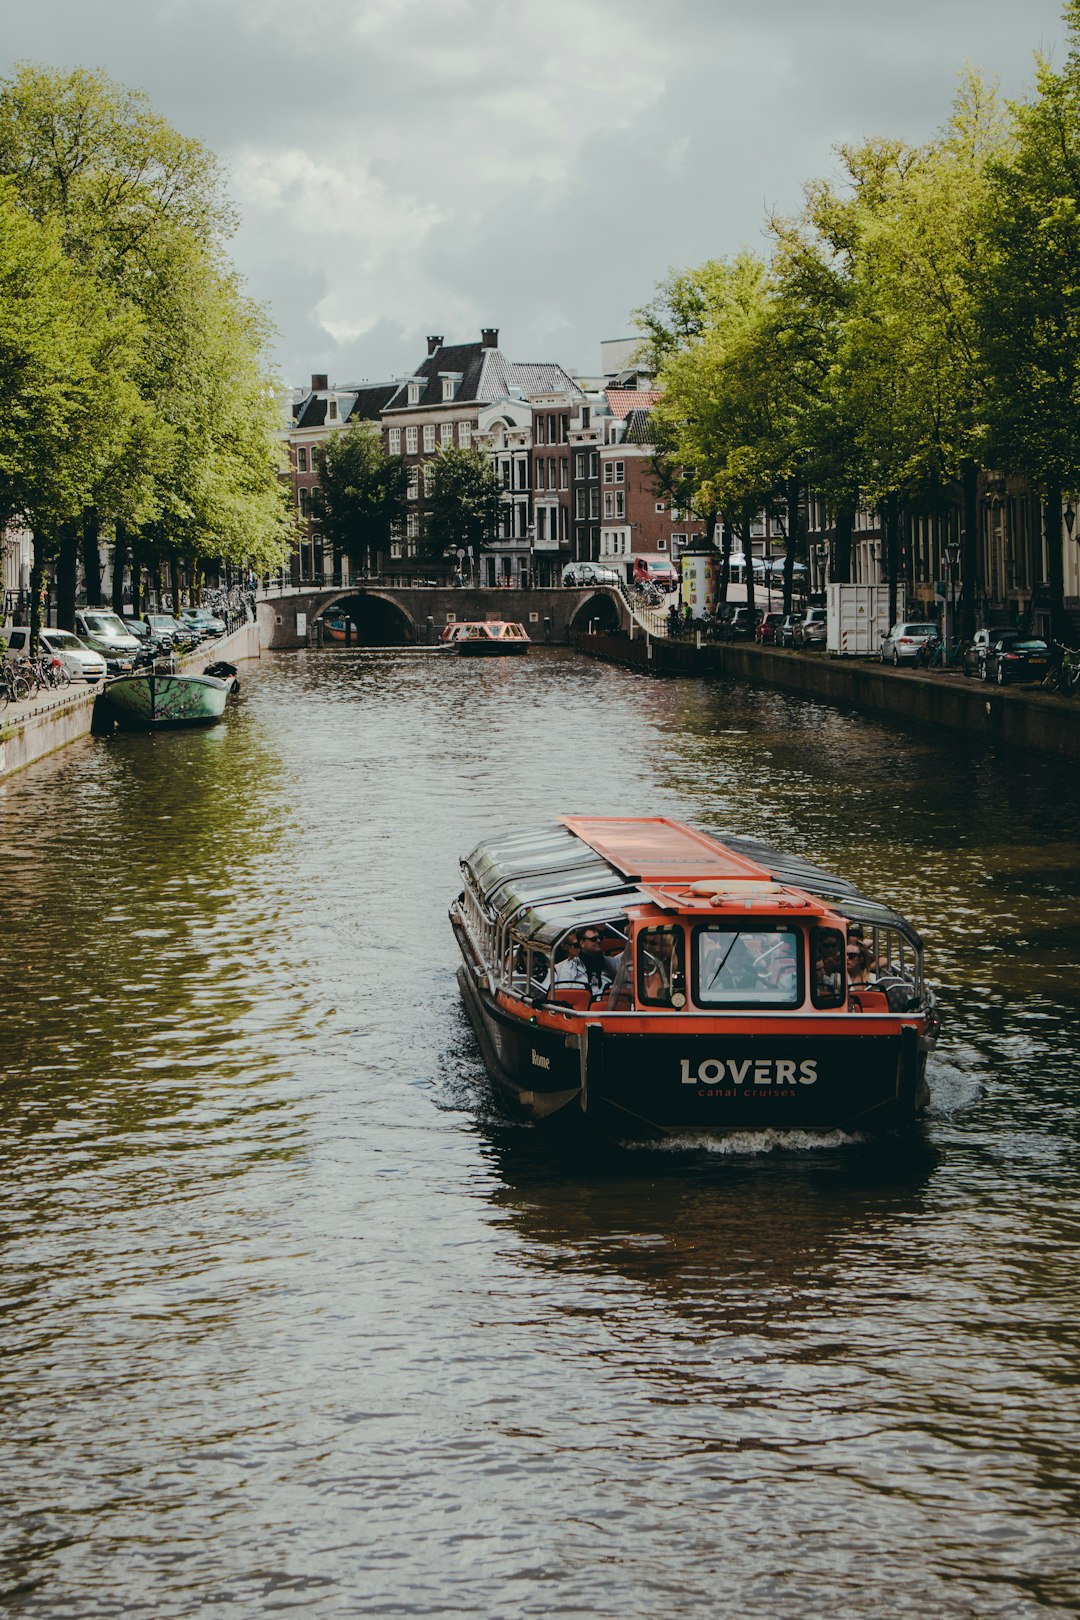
point(413, 166)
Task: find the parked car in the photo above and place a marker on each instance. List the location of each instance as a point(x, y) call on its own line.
point(180, 636)
point(655, 571)
point(80, 661)
point(744, 622)
point(1016, 658)
point(106, 633)
point(811, 628)
point(591, 573)
point(785, 635)
point(767, 627)
point(905, 642)
point(975, 654)
point(205, 622)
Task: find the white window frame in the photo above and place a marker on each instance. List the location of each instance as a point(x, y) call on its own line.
point(464, 435)
point(393, 441)
point(410, 441)
point(429, 438)
point(446, 432)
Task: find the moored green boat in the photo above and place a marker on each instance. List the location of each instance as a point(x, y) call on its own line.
point(155, 700)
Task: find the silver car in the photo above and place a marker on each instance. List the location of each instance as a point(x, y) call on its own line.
point(905, 642)
point(80, 661)
point(591, 573)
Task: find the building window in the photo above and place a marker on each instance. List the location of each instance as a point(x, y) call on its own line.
point(305, 503)
point(410, 441)
point(551, 473)
point(448, 388)
point(446, 433)
point(522, 473)
point(609, 472)
point(661, 544)
point(504, 474)
point(620, 503)
point(540, 484)
point(581, 464)
point(464, 435)
point(301, 460)
point(594, 463)
point(677, 542)
point(333, 410)
point(414, 393)
point(541, 522)
point(553, 429)
point(414, 483)
point(564, 472)
point(429, 437)
point(620, 471)
point(394, 441)
point(580, 503)
point(594, 502)
point(660, 507)
point(586, 416)
point(564, 523)
point(541, 436)
point(609, 504)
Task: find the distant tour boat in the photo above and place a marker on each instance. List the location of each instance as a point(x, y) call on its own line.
point(487, 638)
point(156, 700)
point(642, 974)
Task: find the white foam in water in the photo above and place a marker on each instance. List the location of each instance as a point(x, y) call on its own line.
point(952, 1087)
point(743, 1142)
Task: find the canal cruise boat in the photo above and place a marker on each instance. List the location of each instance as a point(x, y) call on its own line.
point(642, 976)
point(487, 638)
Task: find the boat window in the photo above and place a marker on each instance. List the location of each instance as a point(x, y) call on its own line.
point(827, 967)
point(661, 960)
point(747, 967)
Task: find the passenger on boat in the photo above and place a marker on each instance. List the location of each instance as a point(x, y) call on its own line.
point(828, 965)
point(599, 969)
point(858, 964)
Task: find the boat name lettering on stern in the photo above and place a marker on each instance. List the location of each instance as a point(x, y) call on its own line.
point(749, 1071)
point(540, 1062)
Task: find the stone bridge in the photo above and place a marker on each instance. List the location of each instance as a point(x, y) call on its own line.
point(416, 615)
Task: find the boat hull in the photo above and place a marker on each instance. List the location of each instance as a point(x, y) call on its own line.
point(491, 649)
point(156, 701)
point(633, 1074)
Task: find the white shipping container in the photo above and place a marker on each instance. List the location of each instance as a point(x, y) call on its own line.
point(858, 620)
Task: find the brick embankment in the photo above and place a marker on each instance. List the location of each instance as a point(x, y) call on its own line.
point(42, 724)
point(1018, 717)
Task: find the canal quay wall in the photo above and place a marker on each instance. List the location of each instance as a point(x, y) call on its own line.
point(420, 613)
point(1010, 716)
point(39, 726)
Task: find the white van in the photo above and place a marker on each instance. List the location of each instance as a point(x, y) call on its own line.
point(105, 632)
point(80, 661)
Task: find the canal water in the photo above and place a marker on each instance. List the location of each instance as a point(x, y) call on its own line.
point(294, 1324)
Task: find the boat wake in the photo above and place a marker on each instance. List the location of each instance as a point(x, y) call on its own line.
point(741, 1143)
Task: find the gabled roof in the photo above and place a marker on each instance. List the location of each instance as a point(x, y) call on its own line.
point(638, 428)
point(486, 376)
point(362, 404)
point(624, 400)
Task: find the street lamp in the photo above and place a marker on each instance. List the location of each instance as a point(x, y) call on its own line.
point(821, 552)
point(1070, 519)
point(952, 558)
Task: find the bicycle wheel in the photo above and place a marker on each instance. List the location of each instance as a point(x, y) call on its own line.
point(62, 677)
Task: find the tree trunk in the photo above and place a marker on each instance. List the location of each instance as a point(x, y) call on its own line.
point(67, 573)
point(794, 536)
point(38, 586)
point(844, 528)
point(725, 563)
point(1055, 561)
point(746, 522)
point(91, 555)
point(138, 598)
point(891, 517)
point(119, 566)
point(970, 551)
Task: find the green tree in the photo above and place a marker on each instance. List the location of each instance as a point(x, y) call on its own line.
point(1029, 299)
point(141, 213)
point(464, 502)
point(362, 492)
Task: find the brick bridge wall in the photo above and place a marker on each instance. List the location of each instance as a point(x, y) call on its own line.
point(546, 614)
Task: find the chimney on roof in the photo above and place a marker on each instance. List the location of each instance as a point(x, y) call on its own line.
point(319, 380)
point(434, 344)
point(489, 337)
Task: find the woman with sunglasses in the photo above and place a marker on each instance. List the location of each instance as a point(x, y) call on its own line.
point(858, 964)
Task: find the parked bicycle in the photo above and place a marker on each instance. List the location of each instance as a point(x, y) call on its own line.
point(1064, 674)
point(13, 686)
point(51, 672)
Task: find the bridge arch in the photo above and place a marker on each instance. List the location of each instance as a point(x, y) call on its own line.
point(600, 610)
point(380, 620)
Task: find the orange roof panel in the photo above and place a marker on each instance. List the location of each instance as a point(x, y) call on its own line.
point(655, 850)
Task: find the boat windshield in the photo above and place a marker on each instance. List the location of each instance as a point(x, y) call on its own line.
point(759, 966)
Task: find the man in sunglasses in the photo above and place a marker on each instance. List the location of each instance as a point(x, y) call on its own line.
point(598, 970)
